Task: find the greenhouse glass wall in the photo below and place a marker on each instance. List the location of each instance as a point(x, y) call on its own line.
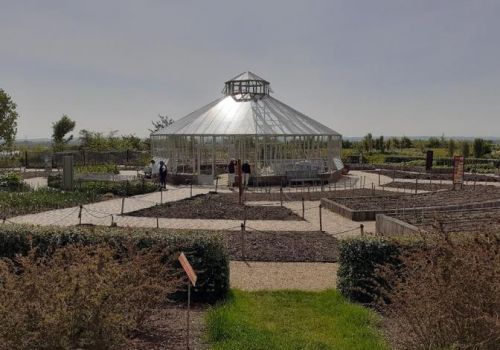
point(247, 124)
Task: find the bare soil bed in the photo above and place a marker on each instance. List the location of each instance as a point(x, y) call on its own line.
point(441, 198)
point(168, 330)
point(282, 246)
point(400, 174)
point(222, 206)
point(455, 221)
point(293, 195)
point(426, 186)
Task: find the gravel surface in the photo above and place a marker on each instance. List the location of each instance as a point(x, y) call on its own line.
point(252, 276)
point(434, 176)
point(216, 206)
point(282, 246)
point(426, 186)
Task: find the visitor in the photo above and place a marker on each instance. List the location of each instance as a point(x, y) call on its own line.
point(245, 168)
point(163, 174)
point(231, 168)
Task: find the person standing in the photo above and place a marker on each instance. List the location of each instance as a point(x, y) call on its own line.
point(163, 174)
point(231, 168)
point(245, 168)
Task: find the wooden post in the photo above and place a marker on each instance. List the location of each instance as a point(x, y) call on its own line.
point(191, 189)
point(188, 315)
point(112, 220)
point(123, 205)
point(79, 215)
point(240, 182)
point(161, 195)
point(216, 183)
point(379, 177)
point(303, 208)
point(243, 253)
point(281, 196)
point(157, 222)
point(362, 229)
point(320, 218)
point(416, 185)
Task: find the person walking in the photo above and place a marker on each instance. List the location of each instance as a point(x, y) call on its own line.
point(163, 174)
point(231, 168)
point(245, 168)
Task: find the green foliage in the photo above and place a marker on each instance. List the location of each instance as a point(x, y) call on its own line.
point(481, 148)
point(359, 259)
point(452, 146)
point(465, 148)
point(97, 141)
point(8, 120)
point(368, 142)
point(34, 201)
point(97, 169)
point(12, 182)
point(60, 129)
point(289, 320)
point(206, 252)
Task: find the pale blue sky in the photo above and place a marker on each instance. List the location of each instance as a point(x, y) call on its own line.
point(387, 67)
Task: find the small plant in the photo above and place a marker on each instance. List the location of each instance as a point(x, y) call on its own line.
point(12, 182)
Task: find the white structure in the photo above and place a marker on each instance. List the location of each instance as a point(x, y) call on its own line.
point(247, 124)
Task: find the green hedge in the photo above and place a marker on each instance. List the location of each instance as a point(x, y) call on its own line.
point(205, 251)
point(359, 258)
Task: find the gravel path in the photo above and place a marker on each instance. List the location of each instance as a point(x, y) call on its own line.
point(252, 276)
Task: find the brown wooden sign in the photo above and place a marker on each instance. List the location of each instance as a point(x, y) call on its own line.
point(188, 269)
point(458, 170)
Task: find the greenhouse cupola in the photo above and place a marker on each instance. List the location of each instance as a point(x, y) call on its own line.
point(247, 86)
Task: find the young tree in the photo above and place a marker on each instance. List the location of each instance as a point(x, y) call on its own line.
point(60, 129)
point(406, 142)
point(452, 146)
point(465, 149)
point(368, 142)
point(162, 122)
point(8, 120)
point(481, 147)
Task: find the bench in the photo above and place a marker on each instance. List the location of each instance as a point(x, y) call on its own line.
point(302, 176)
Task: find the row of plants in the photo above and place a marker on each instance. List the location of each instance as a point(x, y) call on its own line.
point(12, 181)
point(97, 288)
point(437, 292)
point(97, 169)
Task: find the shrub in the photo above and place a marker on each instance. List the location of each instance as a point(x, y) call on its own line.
point(79, 298)
point(12, 182)
point(206, 252)
point(359, 259)
point(447, 295)
point(97, 169)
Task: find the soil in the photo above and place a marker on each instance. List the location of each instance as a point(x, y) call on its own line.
point(425, 186)
point(216, 206)
point(442, 198)
point(400, 174)
point(282, 246)
point(456, 221)
point(293, 195)
point(168, 330)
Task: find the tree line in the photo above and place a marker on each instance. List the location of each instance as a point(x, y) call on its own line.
point(478, 148)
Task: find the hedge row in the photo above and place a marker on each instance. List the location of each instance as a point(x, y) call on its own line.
point(205, 251)
point(359, 259)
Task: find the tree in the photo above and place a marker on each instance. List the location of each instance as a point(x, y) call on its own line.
point(433, 142)
point(465, 149)
point(481, 147)
point(368, 142)
point(380, 144)
point(60, 129)
point(8, 120)
point(346, 143)
point(406, 142)
point(162, 122)
point(452, 146)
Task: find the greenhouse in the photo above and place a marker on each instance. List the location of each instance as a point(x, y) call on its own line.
point(248, 124)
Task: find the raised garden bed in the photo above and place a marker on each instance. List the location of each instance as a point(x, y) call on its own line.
point(216, 206)
point(400, 174)
point(362, 209)
point(311, 195)
point(425, 185)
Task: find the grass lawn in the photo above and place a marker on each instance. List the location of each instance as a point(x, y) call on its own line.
point(292, 320)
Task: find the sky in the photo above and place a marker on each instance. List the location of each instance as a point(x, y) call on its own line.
point(414, 68)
